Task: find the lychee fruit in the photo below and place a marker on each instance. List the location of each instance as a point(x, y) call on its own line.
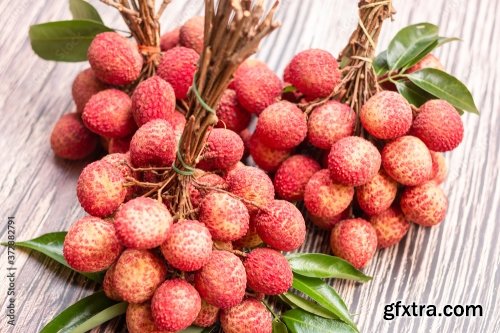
point(70, 139)
point(100, 188)
point(251, 238)
point(137, 275)
point(139, 319)
point(223, 149)
point(207, 316)
point(170, 39)
point(390, 226)
point(178, 122)
point(251, 316)
point(439, 168)
point(354, 240)
point(314, 72)
point(279, 134)
point(386, 115)
point(268, 271)
point(119, 145)
point(293, 175)
point(91, 245)
point(109, 113)
point(429, 61)
point(438, 125)
point(204, 184)
point(177, 67)
point(85, 86)
point(378, 194)
point(329, 223)
point(329, 123)
point(407, 160)
point(268, 159)
point(250, 63)
point(231, 115)
point(122, 162)
point(108, 284)
point(425, 204)
point(114, 59)
point(153, 98)
point(191, 33)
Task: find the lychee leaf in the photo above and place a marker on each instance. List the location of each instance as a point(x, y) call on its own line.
point(289, 89)
point(299, 321)
point(440, 41)
point(196, 329)
point(380, 64)
point(82, 10)
point(413, 94)
point(279, 327)
point(295, 301)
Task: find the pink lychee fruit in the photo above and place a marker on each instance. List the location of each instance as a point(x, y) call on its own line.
point(178, 122)
point(139, 319)
point(251, 316)
point(268, 271)
point(85, 86)
point(191, 33)
point(293, 175)
point(223, 149)
point(70, 139)
point(439, 168)
point(153, 98)
point(170, 39)
point(425, 204)
point(378, 194)
point(202, 185)
point(390, 226)
point(207, 316)
point(108, 284)
point(248, 64)
point(266, 158)
point(231, 115)
point(177, 67)
point(329, 223)
point(122, 162)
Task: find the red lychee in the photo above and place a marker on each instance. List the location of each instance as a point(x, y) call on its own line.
point(203, 185)
point(231, 115)
point(153, 144)
point(268, 159)
point(293, 175)
point(153, 98)
point(378, 194)
point(119, 145)
point(251, 316)
point(177, 67)
point(223, 149)
point(140, 319)
point(191, 33)
point(70, 139)
point(207, 316)
point(85, 86)
point(268, 271)
point(329, 223)
point(390, 226)
point(170, 39)
point(425, 204)
point(122, 162)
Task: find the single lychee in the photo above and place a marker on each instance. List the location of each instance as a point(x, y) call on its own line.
point(91, 245)
point(231, 115)
point(329, 223)
point(246, 135)
point(100, 188)
point(439, 168)
point(425, 204)
point(293, 175)
point(378, 194)
point(268, 271)
point(223, 149)
point(266, 158)
point(207, 316)
point(70, 139)
point(122, 162)
point(109, 113)
point(191, 33)
point(438, 125)
point(177, 67)
point(178, 122)
point(137, 275)
point(429, 61)
point(85, 86)
point(222, 281)
point(354, 240)
point(314, 72)
point(202, 185)
point(114, 59)
point(251, 316)
point(407, 160)
point(170, 39)
point(153, 98)
point(250, 63)
point(279, 134)
point(108, 284)
point(390, 226)
point(140, 319)
point(119, 145)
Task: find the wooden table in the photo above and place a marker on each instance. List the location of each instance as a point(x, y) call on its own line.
point(456, 263)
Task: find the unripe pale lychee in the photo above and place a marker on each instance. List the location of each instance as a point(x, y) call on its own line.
point(425, 204)
point(390, 226)
point(177, 67)
point(267, 158)
point(170, 39)
point(100, 188)
point(122, 162)
point(277, 133)
point(354, 240)
point(231, 115)
point(188, 245)
point(109, 113)
point(175, 305)
point(329, 123)
point(207, 316)
point(251, 316)
point(91, 245)
point(314, 72)
point(268, 271)
point(429, 61)
point(70, 139)
point(293, 175)
point(153, 144)
point(281, 226)
point(119, 145)
point(191, 33)
point(223, 149)
point(407, 160)
point(439, 168)
point(438, 125)
point(140, 319)
point(85, 86)
point(222, 281)
point(386, 115)
point(378, 194)
point(226, 217)
point(204, 181)
point(108, 284)
point(137, 275)
point(153, 98)
point(114, 59)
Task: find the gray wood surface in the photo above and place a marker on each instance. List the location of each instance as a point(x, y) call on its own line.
point(456, 263)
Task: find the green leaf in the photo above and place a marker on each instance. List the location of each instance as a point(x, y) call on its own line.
point(380, 64)
point(444, 86)
point(195, 329)
point(279, 327)
point(440, 41)
point(296, 301)
point(413, 94)
point(64, 40)
point(299, 321)
point(325, 295)
point(289, 89)
point(82, 10)
point(325, 266)
point(91, 310)
point(409, 43)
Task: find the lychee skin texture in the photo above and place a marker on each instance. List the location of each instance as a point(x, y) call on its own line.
point(314, 72)
point(91, 245)
point(70, 139)
point(122, 162)
point(407, 160)
point(222, 281)
point(109, 113)
point(226, 217)
point(175, 305)
point(257, 87)
point(329, 123)
point(224, 148)
point(438, 125)
point(170, 39)
point(354, 240)
point(119, 145)
point(390, 226)
point(114, 59)
point(153, 144)
point(429, 61)
point(268, 271)
point(153, 98)
point(231, 115)
point(281, 226)
point(188, 245)
point(353, 161)
point(439, 168)
point(329, 223)
point(251, 316)
point(425, 204)
point(108, 284)
point(248, 64)
point(196, 194)
point(293, 175)
point(85, 86)
point(191, 33)
point(100, 188)
point(279, 134)
point(378, 194)
point(386, 115)
point(325, 199)
point(178, 122)
point(268, 159)
point(140, 319)
point(137, 275)
point(177, 67)
point(207, 316)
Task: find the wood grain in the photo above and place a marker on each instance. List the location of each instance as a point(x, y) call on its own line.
point(456, 263)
